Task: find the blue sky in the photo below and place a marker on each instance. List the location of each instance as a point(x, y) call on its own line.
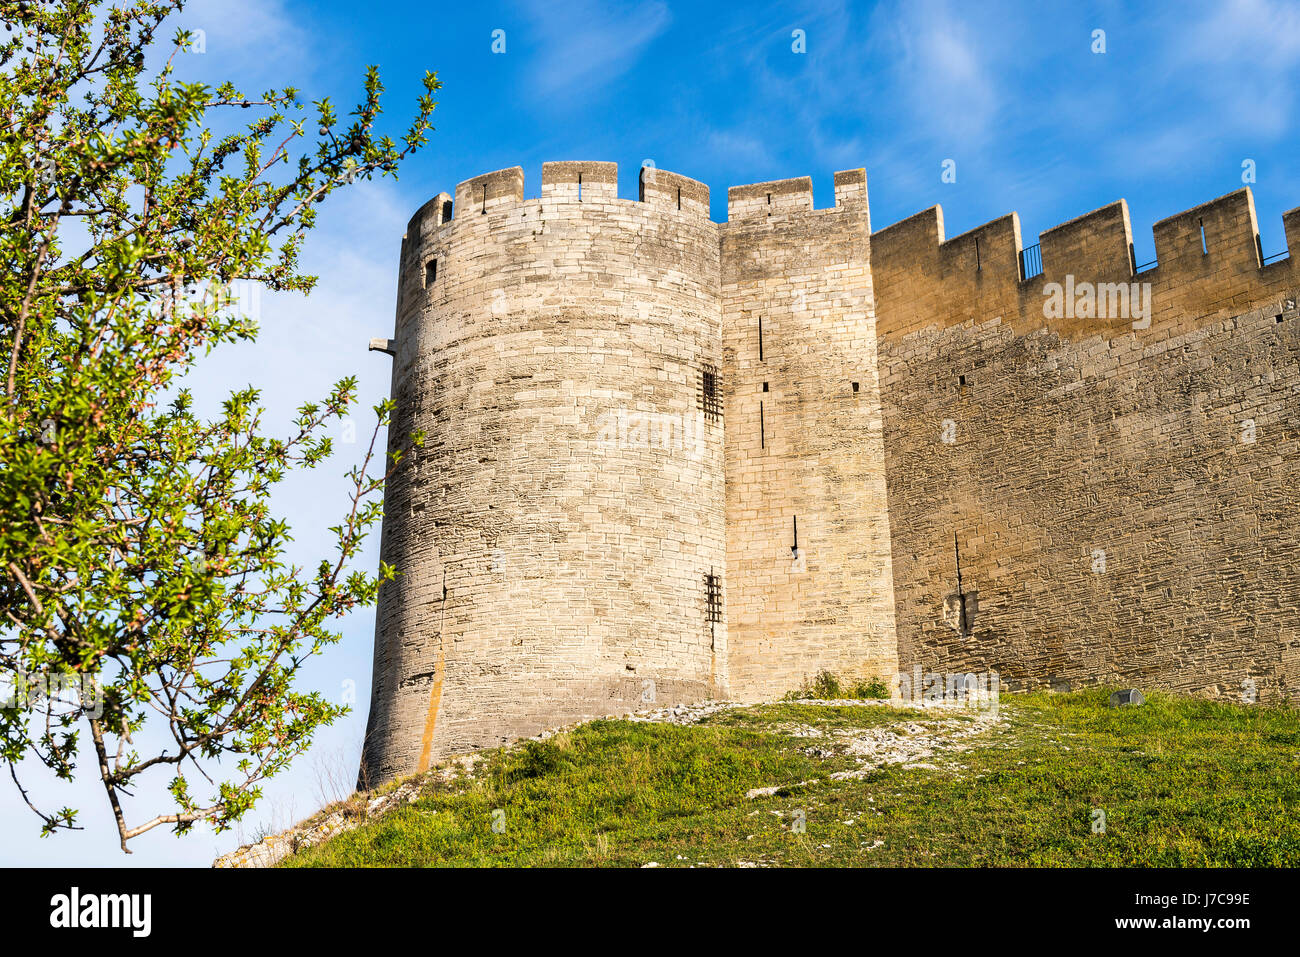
point(1035, 121)
point(1013, 93)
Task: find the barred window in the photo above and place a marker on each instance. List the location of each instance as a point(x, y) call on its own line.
point(710, 393)
point(712, 598)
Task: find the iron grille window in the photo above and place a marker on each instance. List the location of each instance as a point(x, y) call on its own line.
point(712, 598)
point(710, 393)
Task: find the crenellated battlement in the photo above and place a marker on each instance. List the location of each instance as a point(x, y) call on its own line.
point(770, 199)
point(490, 191)
point(1226, 226)
point(784, 197)
point(568, 181)
point(1096, 243)
point(581, 181)
point(662, 188)
point(1208, 255)
point(590, 181)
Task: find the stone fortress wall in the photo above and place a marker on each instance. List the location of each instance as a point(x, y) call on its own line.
point(1122, 492)
point(630, 412)
point(809, 575)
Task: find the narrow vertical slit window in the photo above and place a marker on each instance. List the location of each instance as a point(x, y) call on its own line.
point(794, 548)
point(963, 615)
point(430, 272)
point(979, 266)
point(1205, 248)
point(580, 187)
point(484, 209)
point(760, 338)
point(679, 197)
point(762, 427)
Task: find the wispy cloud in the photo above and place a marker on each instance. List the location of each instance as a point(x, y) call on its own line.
point(581, 48)
point(253, 40)
point(931, 73)
point(1242, 58)
point(943, 63)
point(737, 148)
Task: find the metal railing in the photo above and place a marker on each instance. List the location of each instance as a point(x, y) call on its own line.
point(1031, 261)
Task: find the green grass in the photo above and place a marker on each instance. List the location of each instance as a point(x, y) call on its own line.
point(827, 687)
point(1182, 782)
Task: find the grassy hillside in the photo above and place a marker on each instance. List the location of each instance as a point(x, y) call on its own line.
point(1181, 782)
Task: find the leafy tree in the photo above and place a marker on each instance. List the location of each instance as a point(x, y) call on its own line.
point(139, 554)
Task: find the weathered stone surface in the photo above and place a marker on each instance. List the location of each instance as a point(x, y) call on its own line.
point(977, 485)
point(805, 463)
point(555, 531)
point(1124, 501)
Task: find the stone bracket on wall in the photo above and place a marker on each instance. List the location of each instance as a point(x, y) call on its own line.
point(959, 610)
point(384, 345)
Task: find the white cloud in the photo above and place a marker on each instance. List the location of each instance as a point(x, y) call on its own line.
point(1239, 58)
point(737, 148)
point(943, 61)
point(257, 41)
point(1254, 33)
point(586, 46)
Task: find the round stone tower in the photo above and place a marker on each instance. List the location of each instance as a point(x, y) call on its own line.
point(559, 536)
